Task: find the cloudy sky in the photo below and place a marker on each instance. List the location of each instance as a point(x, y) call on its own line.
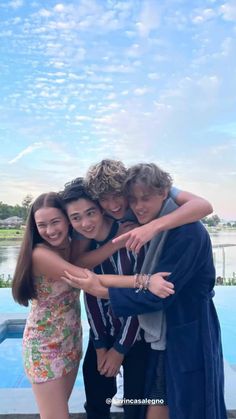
point(137, 80)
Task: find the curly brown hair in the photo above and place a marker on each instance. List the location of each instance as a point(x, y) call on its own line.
point(107, 176)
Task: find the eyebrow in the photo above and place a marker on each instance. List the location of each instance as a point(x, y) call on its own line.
point(79, 213)
point(53, 219)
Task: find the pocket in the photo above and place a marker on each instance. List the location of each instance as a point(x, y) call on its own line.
point(184, 346)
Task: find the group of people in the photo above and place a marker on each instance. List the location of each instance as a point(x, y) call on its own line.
point(135, 245)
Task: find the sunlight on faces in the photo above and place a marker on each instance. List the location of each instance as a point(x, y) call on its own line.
point(145, 202)
point(87, 219)
point(52, 225)
point(115, 205)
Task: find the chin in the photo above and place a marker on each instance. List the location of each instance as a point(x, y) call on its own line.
point(143, 221)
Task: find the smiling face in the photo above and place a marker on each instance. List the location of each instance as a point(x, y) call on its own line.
point(52, 225)
point(87, 219)
point(115, 204)
point(145, 202)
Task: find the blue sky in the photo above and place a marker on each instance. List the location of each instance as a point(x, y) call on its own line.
point(133, 80)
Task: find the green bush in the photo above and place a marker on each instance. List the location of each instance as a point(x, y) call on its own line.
point(5, 283)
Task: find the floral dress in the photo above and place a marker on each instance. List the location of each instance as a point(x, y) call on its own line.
point(52, 341)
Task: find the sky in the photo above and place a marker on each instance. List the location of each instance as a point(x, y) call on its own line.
point(134, 80)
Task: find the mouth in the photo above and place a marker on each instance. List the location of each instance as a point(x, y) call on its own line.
point(140, 214)
point(116, 210)
point(88, 230)
point(54, 237)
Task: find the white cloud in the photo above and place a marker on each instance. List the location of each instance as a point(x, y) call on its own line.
point(153, 76)
point(149, 18)
point(26, 151)
point(44, 13)
point(204, 15)
point(59, 8)
point(228, 11)
point(83, 118)
point(140, 91)
point(15, 4)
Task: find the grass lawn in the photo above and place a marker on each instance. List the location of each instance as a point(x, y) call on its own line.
point(11, 233)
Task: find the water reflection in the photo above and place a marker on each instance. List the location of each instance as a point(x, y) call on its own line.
point(9, 251)
point(8, 256)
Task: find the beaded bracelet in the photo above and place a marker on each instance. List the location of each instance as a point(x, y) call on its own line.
point(142, 282)
point(138, 282)
point(147, 282)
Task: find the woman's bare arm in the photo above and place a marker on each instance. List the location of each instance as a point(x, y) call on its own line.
point(98, 285)
point(49, 263)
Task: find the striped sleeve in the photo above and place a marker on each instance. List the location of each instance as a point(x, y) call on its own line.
point(127, 335)
point(130, 328)
point(97, 320)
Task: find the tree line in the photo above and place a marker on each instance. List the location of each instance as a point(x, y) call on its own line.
point(21, 211)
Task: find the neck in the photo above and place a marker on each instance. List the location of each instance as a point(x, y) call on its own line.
point(105, 230)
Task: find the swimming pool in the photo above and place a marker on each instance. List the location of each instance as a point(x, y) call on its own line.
point(12, 373)
point(11, 368)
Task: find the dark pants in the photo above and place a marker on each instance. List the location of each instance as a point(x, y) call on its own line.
point(98, 387)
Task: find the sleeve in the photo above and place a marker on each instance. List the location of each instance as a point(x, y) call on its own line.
point(97, 320)
point(127, 335)
point(183, 255)
point(174, 192)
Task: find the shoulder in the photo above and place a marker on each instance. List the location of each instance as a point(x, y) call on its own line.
point(194, 231)
point(174, 192)
point(41, 251)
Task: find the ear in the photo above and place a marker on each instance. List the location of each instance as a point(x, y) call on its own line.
point(165, 193)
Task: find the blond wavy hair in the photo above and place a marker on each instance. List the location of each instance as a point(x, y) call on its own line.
point(150, 174)
point(105, 177)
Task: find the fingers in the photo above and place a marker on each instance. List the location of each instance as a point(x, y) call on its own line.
point(121, 238)
point(109, 371)
point(132, 243)
point(166, 293)
point(164, 274)
point(74, 281)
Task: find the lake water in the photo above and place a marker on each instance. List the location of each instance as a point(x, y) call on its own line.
point(9, 251)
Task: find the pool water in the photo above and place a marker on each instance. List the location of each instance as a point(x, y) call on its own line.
point(11, 367)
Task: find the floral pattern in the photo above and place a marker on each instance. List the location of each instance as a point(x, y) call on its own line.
point(52, 341)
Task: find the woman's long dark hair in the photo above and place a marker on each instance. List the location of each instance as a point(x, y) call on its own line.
point(23, 286)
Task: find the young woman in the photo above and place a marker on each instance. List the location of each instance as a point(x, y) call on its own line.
point(52, 341)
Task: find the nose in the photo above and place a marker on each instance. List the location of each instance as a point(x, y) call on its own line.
point(85, 223)
point(50, 229)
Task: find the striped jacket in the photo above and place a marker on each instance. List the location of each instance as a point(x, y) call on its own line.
point(104, 326)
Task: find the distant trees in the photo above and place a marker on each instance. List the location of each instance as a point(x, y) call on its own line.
point(212, 221)
point(26, 205)
point(21, 211)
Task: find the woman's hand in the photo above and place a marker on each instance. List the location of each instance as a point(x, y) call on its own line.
point(90, 284)
point(133, 240)
point(159, 286)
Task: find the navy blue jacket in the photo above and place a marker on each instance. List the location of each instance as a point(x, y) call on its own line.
point(194, 362)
